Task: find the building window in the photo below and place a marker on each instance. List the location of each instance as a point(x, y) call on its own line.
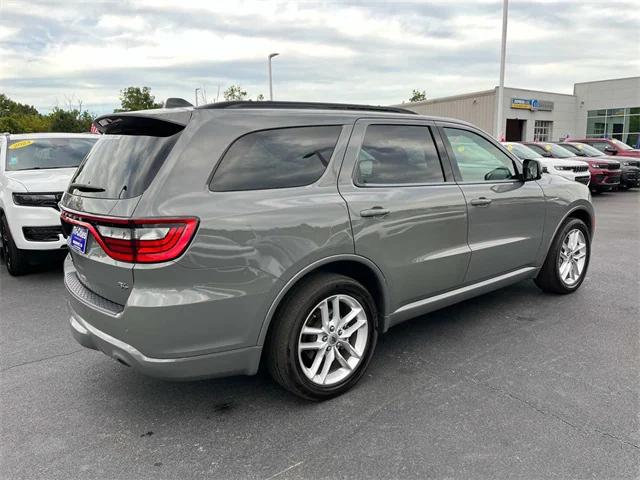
point(620, 123)
point(542, 131)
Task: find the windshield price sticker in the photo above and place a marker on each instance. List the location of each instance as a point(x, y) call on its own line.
point(22, 144)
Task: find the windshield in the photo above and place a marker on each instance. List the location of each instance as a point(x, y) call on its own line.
point(621, 145)
point(121, 166)
point(43, 153)
point(557, 151)
point(584, 150)
point(521, 151)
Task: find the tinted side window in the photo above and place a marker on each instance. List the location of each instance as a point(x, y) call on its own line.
point(281, 158)
point(398, 154)
point(478, 159)
point(600, 145)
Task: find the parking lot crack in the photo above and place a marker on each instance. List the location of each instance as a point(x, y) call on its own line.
point(558, 417)
point(40, 360)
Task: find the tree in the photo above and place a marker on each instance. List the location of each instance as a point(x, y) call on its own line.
point(234, 92)
point(11, 125)
point(418, 96)
point(70, 120)
point(9, 107)
point(20, 118)
point(136, 98)
point(260, 98)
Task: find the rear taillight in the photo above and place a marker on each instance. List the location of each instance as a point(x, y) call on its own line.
point(142, 240)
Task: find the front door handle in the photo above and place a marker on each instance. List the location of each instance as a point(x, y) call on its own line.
point(374, 212)
point(479, 202)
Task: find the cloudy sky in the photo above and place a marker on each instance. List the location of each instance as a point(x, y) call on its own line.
point(59, 51)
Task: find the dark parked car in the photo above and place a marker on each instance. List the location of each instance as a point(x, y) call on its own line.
point(605, 174)
point(610, 146)
point(206, 240)
point(629, 166)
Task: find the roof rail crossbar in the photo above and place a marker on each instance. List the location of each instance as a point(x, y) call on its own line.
point(241, 104)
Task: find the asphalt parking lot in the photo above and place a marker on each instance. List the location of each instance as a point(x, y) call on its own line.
point(514, 384)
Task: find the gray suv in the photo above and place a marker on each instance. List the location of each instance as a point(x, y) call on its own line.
point(206, 241)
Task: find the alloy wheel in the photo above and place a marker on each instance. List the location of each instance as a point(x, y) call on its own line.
point(333, 340)
point(573, 257)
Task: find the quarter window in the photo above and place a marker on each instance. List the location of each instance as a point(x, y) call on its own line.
point(280, 158)
point(398, 154)
point(478, 159)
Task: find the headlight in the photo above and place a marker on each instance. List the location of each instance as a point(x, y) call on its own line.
point(37, 199)
point(597, 165)
point(562, 167)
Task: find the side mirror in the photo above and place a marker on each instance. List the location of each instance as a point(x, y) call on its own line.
point(610, 149)
point(531, 170)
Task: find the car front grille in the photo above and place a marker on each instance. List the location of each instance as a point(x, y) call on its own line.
point(42, 234)
point(613, 179)
point(614, 166)
point(580, 169)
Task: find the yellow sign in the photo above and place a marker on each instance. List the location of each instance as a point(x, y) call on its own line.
point(547, 147)
point(22, 144)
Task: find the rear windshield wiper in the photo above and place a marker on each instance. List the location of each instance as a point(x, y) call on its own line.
point(85, 188)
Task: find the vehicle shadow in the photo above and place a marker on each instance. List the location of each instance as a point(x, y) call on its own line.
point(43, 263)
point(432, 337)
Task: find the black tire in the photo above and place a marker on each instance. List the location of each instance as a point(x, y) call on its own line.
point(15, 259)
point(282, 344)
point(549, 279)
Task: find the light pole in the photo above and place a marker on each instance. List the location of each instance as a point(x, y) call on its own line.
point(271, 55)
point(503, 53)
point(196, 92)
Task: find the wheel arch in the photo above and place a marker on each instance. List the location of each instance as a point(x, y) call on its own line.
point(354, 266)
point(583, 214)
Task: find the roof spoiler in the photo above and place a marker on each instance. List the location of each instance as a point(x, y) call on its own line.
point(156, 123)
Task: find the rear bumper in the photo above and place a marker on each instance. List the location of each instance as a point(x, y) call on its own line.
point(242, 361)
point(89, 312)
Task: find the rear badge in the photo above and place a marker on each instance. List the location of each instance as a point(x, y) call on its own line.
point(123, 285)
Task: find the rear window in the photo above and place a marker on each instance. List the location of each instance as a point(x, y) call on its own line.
point(280, 158)
point(43, 153)
point(121, 166)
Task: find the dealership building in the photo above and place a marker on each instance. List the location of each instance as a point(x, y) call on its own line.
point(605, 108)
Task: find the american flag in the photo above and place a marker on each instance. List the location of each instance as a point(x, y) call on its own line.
point(94, 129)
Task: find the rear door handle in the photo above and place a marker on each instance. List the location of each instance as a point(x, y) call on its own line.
point(374, 212)
point(479, 202)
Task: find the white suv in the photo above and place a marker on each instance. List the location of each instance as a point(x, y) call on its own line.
point(34, 171)
point(575, 170)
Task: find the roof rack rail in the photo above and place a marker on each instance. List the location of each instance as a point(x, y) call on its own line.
point(241, 104)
